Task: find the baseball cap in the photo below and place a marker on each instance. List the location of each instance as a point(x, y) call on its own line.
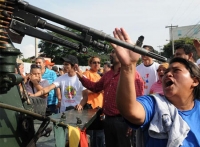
point(70, 59)
point(47, 62)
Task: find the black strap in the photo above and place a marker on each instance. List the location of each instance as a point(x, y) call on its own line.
point(32, 87)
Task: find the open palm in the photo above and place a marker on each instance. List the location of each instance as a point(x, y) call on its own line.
point(126, 57)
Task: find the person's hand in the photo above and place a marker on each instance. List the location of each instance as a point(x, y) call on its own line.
point(26, 78)
point(197, 45)
point(129, 132)
point(79, 73)
point(58, 105)
point(30, 94)
point(125, 56)
point(34, 79)
point(79, 107)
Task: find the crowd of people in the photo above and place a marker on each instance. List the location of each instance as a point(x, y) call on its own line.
point(151, 104)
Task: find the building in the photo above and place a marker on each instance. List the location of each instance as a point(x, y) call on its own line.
point(192, 31)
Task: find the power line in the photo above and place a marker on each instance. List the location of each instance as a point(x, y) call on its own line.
point(186, 16)
point(185, 10)
point(176, 11)
point(192, 28)
point(196, 31)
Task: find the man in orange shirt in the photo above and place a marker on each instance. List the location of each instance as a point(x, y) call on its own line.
point(95, 100)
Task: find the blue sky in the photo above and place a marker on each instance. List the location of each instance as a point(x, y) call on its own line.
point(143, 17)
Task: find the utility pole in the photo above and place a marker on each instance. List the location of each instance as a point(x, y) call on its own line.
point(36, 48)
point(172, 38)
point(160, 48)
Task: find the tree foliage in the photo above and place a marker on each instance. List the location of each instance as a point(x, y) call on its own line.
point(167, 50)
point(55, 51)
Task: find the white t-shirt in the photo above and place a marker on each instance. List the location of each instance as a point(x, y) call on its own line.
point(149, 75)
point(71, 90)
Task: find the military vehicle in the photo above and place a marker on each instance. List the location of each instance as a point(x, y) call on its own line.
point(18, 111)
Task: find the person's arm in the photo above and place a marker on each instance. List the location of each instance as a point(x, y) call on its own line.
point(26, 78)
point(89, 91)
point(43, 91)
point(92, 86)
point(59, 97)
point(36, 85)
point(127, 104)
point(34, 81)
point(44, 84)
point(83, 101)
point(87, 75)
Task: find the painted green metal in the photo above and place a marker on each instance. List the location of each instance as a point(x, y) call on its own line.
point(16, 129)
point(9, 130)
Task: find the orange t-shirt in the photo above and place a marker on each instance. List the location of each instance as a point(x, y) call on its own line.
point(95, 99)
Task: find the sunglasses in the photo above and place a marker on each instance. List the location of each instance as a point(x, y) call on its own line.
point(35, 66)
point(95, 62)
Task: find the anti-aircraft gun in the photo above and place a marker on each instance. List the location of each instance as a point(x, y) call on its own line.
point(18, 110)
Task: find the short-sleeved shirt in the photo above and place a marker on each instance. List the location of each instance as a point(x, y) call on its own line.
point(95, 99)
point(157, 88)
point(108, 83)
point(30, 89)
point(148, 74)
point(50, 76)
point(191, 117)
point(71, 90)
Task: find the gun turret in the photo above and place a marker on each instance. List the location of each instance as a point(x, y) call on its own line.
point(25, 19)
point(17, 19)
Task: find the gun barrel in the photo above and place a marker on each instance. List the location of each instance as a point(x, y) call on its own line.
point(95, 33)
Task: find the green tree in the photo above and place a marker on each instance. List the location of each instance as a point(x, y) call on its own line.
point(167, 50)
point(28, 60)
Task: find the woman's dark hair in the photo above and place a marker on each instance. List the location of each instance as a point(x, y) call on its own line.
point(194, 73)
point(35, 66)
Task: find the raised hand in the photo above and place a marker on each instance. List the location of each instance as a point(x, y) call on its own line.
point(34, 79)
point(126, 57)
point(79, 73)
